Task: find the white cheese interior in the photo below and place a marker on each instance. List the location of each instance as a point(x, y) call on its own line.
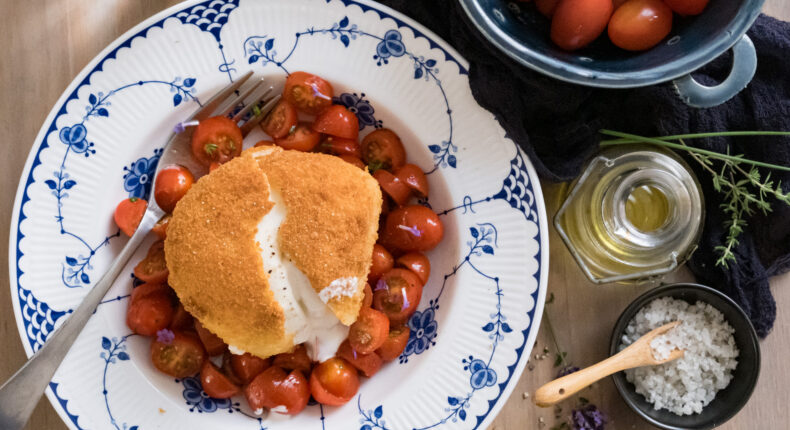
point(307, 317)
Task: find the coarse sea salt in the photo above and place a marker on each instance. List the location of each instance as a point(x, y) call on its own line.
point(686, 385)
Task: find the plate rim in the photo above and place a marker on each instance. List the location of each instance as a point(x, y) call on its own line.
point(157, 20)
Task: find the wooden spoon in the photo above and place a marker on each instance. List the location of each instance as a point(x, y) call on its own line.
point(637, 354)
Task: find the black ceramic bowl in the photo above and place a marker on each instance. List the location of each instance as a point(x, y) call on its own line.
point(729, 400)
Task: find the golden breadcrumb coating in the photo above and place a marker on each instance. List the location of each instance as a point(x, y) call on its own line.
point(215, 263)
point(331, 222)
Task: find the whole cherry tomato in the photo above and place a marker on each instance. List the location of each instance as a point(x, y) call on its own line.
point(150, 313)
point(412, 228)
point(178, 354)
point(309, 93)
point(576, 23)
point(172, 183)
point(216, 139)
point(334, 382)
point(337, 121)
point(418, 263)
point(687, 7)
point(279, 121)
point(640, 24)
point(382, 261)
point(546, 7)
point(129, 213)
point(281, 392)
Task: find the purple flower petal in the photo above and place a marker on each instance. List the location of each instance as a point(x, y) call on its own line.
point(165, 336)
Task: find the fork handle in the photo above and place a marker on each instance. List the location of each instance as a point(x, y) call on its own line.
point(19, 395)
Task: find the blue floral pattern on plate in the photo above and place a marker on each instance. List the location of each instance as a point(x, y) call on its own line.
point(387, 47)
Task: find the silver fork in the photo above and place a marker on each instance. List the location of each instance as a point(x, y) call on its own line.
point(19, 395)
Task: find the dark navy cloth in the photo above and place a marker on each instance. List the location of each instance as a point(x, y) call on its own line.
point(556, 123)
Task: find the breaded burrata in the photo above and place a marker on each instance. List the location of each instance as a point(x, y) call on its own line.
point(272, 249)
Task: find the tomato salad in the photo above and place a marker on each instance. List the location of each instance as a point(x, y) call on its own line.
point(633, 25)
point(181, 346)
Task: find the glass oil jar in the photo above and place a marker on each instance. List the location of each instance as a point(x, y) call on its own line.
point(635, 214)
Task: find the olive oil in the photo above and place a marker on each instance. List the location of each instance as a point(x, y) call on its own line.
point(647, 208)
point(634, 214)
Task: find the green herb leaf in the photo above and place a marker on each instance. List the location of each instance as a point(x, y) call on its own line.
point(559, 358)
point(210, 148)
point(743, 190)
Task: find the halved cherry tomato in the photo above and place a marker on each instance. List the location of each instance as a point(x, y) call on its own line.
point(397, 295)
point(308, 93)
point(392, 185)
point(369, 331)
point(150, 313)
point(356, 161)
point(215, 383)
point(129, 213)
point(280, 120)
point(334, 382)
point(395, 344)
point(414, 178)
point(149, 289)
point(340, 146)
point(367, 364)
point(213, 344)
point(281, 392)
point(299, 138)
point(296, 360)
point(216, 139)
point(338, 121)
point(367, 300)
point(160, 228)
point(382, 149)
point(638, 25)
point(213, 166)
point(382, 261)
point(412, 228)
point(182, 320)
point(248, 366)
point(172, 183)
point(418, 263)
point(687, 7)
point(546, 7)
point(153, 268)
point(576, 23)
point(180, 357)
point(264, 143)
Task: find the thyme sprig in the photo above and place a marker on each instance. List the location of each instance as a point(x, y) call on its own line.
point(744, 191)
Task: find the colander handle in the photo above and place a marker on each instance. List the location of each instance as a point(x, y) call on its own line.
point(744, 64)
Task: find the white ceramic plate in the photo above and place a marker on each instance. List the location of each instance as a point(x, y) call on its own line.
point(480, 311)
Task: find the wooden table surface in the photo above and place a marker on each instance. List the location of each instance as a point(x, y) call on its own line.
point(49, 42)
